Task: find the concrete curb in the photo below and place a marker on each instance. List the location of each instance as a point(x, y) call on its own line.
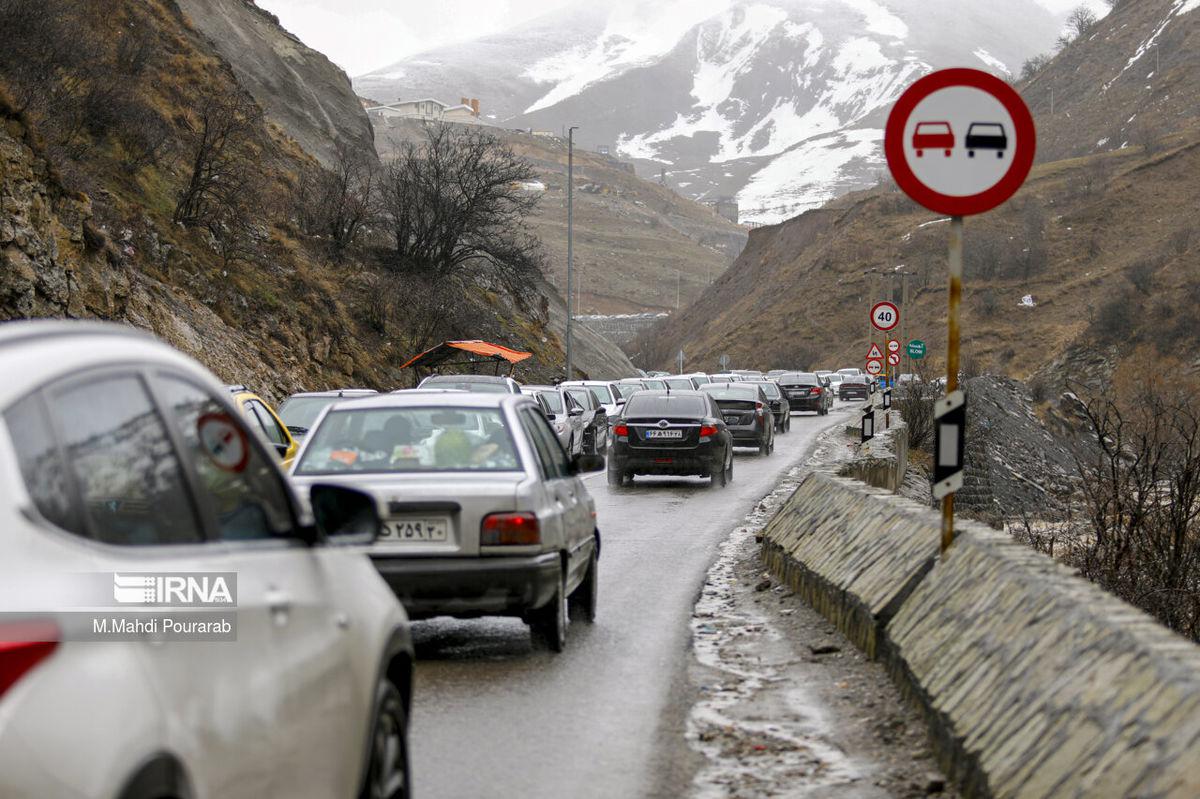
point(1033, 681)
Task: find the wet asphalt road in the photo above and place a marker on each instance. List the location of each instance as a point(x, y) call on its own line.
point(494, 718)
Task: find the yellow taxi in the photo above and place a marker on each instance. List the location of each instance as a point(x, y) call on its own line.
point(263, 419)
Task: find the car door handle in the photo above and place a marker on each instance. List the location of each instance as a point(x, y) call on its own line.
point(279, 604)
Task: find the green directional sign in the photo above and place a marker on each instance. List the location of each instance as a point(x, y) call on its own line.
point(916, 349)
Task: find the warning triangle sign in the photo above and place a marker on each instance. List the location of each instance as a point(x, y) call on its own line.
point(874, 352)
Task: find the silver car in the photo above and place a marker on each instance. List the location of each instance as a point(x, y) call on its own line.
point(563, 413)
point(484, 513)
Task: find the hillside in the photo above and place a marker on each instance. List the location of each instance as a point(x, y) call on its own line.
point(101, 106)
point(636, 242)
point(300, 89)
point(1104, 245)
point(779, 102)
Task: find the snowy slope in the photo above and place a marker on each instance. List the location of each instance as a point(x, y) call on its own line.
point(779, 102)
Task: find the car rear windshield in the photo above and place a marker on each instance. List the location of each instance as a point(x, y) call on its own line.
point(679, 384)
point(666, 405)
point(799, 379)
point(628, 389)
point(655, 385)
point(553, 400)
point(732, 391)
point(303, 411)
point(854, 379)
point(468, 385)
point(771, 390)
point(393, 440)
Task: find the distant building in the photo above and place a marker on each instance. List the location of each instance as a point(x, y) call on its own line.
point(427, 109)
point(603, 149)
point(725, 207)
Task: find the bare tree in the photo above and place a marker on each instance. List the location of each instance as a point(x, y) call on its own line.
point(337, 203)
point(455, 196)
point(1081, 21)
point(915, 400)
point(1033, 65)
point(222, 158)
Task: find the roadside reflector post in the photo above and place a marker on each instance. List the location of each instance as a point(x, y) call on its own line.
point(868, 423)
point(952, 342)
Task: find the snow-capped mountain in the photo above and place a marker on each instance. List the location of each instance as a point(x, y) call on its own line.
point(779, 102)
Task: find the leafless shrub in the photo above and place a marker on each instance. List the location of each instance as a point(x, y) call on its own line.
point(456, 196)
point(989, 303)
point(1034, 65)
point(1116, 318)
point(1148, 138)
point(915, 401)
point(1179, 241)
point(1141, 505)
point(1141, 274)
point(338, 203)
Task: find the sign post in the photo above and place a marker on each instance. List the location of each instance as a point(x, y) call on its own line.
point(959, 142)
point(916, 349)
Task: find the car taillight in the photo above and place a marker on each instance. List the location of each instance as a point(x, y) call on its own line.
point(23, 645)
point(500, 529)
point(707, 430)
point(816, 391)
point(758, 408)
point(621, 430)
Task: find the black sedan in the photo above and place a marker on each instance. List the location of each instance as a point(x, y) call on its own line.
point(806, 391)
point(781, 409)
point(675, 433)
point(855, 387)
point(746, 411)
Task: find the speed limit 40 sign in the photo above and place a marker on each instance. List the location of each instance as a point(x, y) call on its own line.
point(885, 316)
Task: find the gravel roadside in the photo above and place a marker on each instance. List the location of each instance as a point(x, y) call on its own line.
point(786, 706)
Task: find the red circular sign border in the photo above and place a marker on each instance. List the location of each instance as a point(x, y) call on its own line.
point(906, 179)
point(891, 305)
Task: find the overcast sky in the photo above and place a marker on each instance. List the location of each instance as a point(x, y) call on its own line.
point(362, 35)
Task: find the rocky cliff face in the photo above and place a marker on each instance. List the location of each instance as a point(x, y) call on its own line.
point(301, 90)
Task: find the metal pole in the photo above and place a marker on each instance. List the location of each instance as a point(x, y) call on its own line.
point(956, 274)
point(904, 359)
point(570, 239)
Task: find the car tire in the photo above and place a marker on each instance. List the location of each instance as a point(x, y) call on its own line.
point(616, 479)
point(729, 470)
point(719, 477)
point(764, 449)
point(582, 602)
point(388, 772)
point(548, 624)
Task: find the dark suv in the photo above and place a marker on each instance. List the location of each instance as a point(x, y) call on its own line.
point(672, 433)
point(805, 391)
point(746, 411)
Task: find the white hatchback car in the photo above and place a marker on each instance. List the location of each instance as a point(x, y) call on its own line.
point(123, 463)
point(484, 513)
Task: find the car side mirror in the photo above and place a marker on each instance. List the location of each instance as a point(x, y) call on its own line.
point(344, 515)
point(297, 430)
point(584, 464)
point(281, 450)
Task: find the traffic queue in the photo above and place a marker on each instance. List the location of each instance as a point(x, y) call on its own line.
point(125, 464)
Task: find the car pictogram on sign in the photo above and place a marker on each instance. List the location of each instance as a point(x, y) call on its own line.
point(986, 136)
point(933, 136)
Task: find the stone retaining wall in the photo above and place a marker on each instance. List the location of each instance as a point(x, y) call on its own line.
point(1035, 682)
point(882, 461)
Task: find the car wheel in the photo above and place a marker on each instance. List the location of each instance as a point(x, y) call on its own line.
point(764, 448)
point(729, 470)
point(718, 478)
point(548, 624)
point(582, 601)
point(388, 772)
point(616, 478)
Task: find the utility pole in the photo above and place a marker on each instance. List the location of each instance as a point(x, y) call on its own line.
point(904, 321)
point(570, 240)
point(678, 280)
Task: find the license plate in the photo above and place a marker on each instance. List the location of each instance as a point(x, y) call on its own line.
point(664, 434)
point(414, 530)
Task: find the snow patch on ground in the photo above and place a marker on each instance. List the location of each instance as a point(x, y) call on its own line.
point(636, 34)
point(808, 176)
point(879, 19)
point(993, 62)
